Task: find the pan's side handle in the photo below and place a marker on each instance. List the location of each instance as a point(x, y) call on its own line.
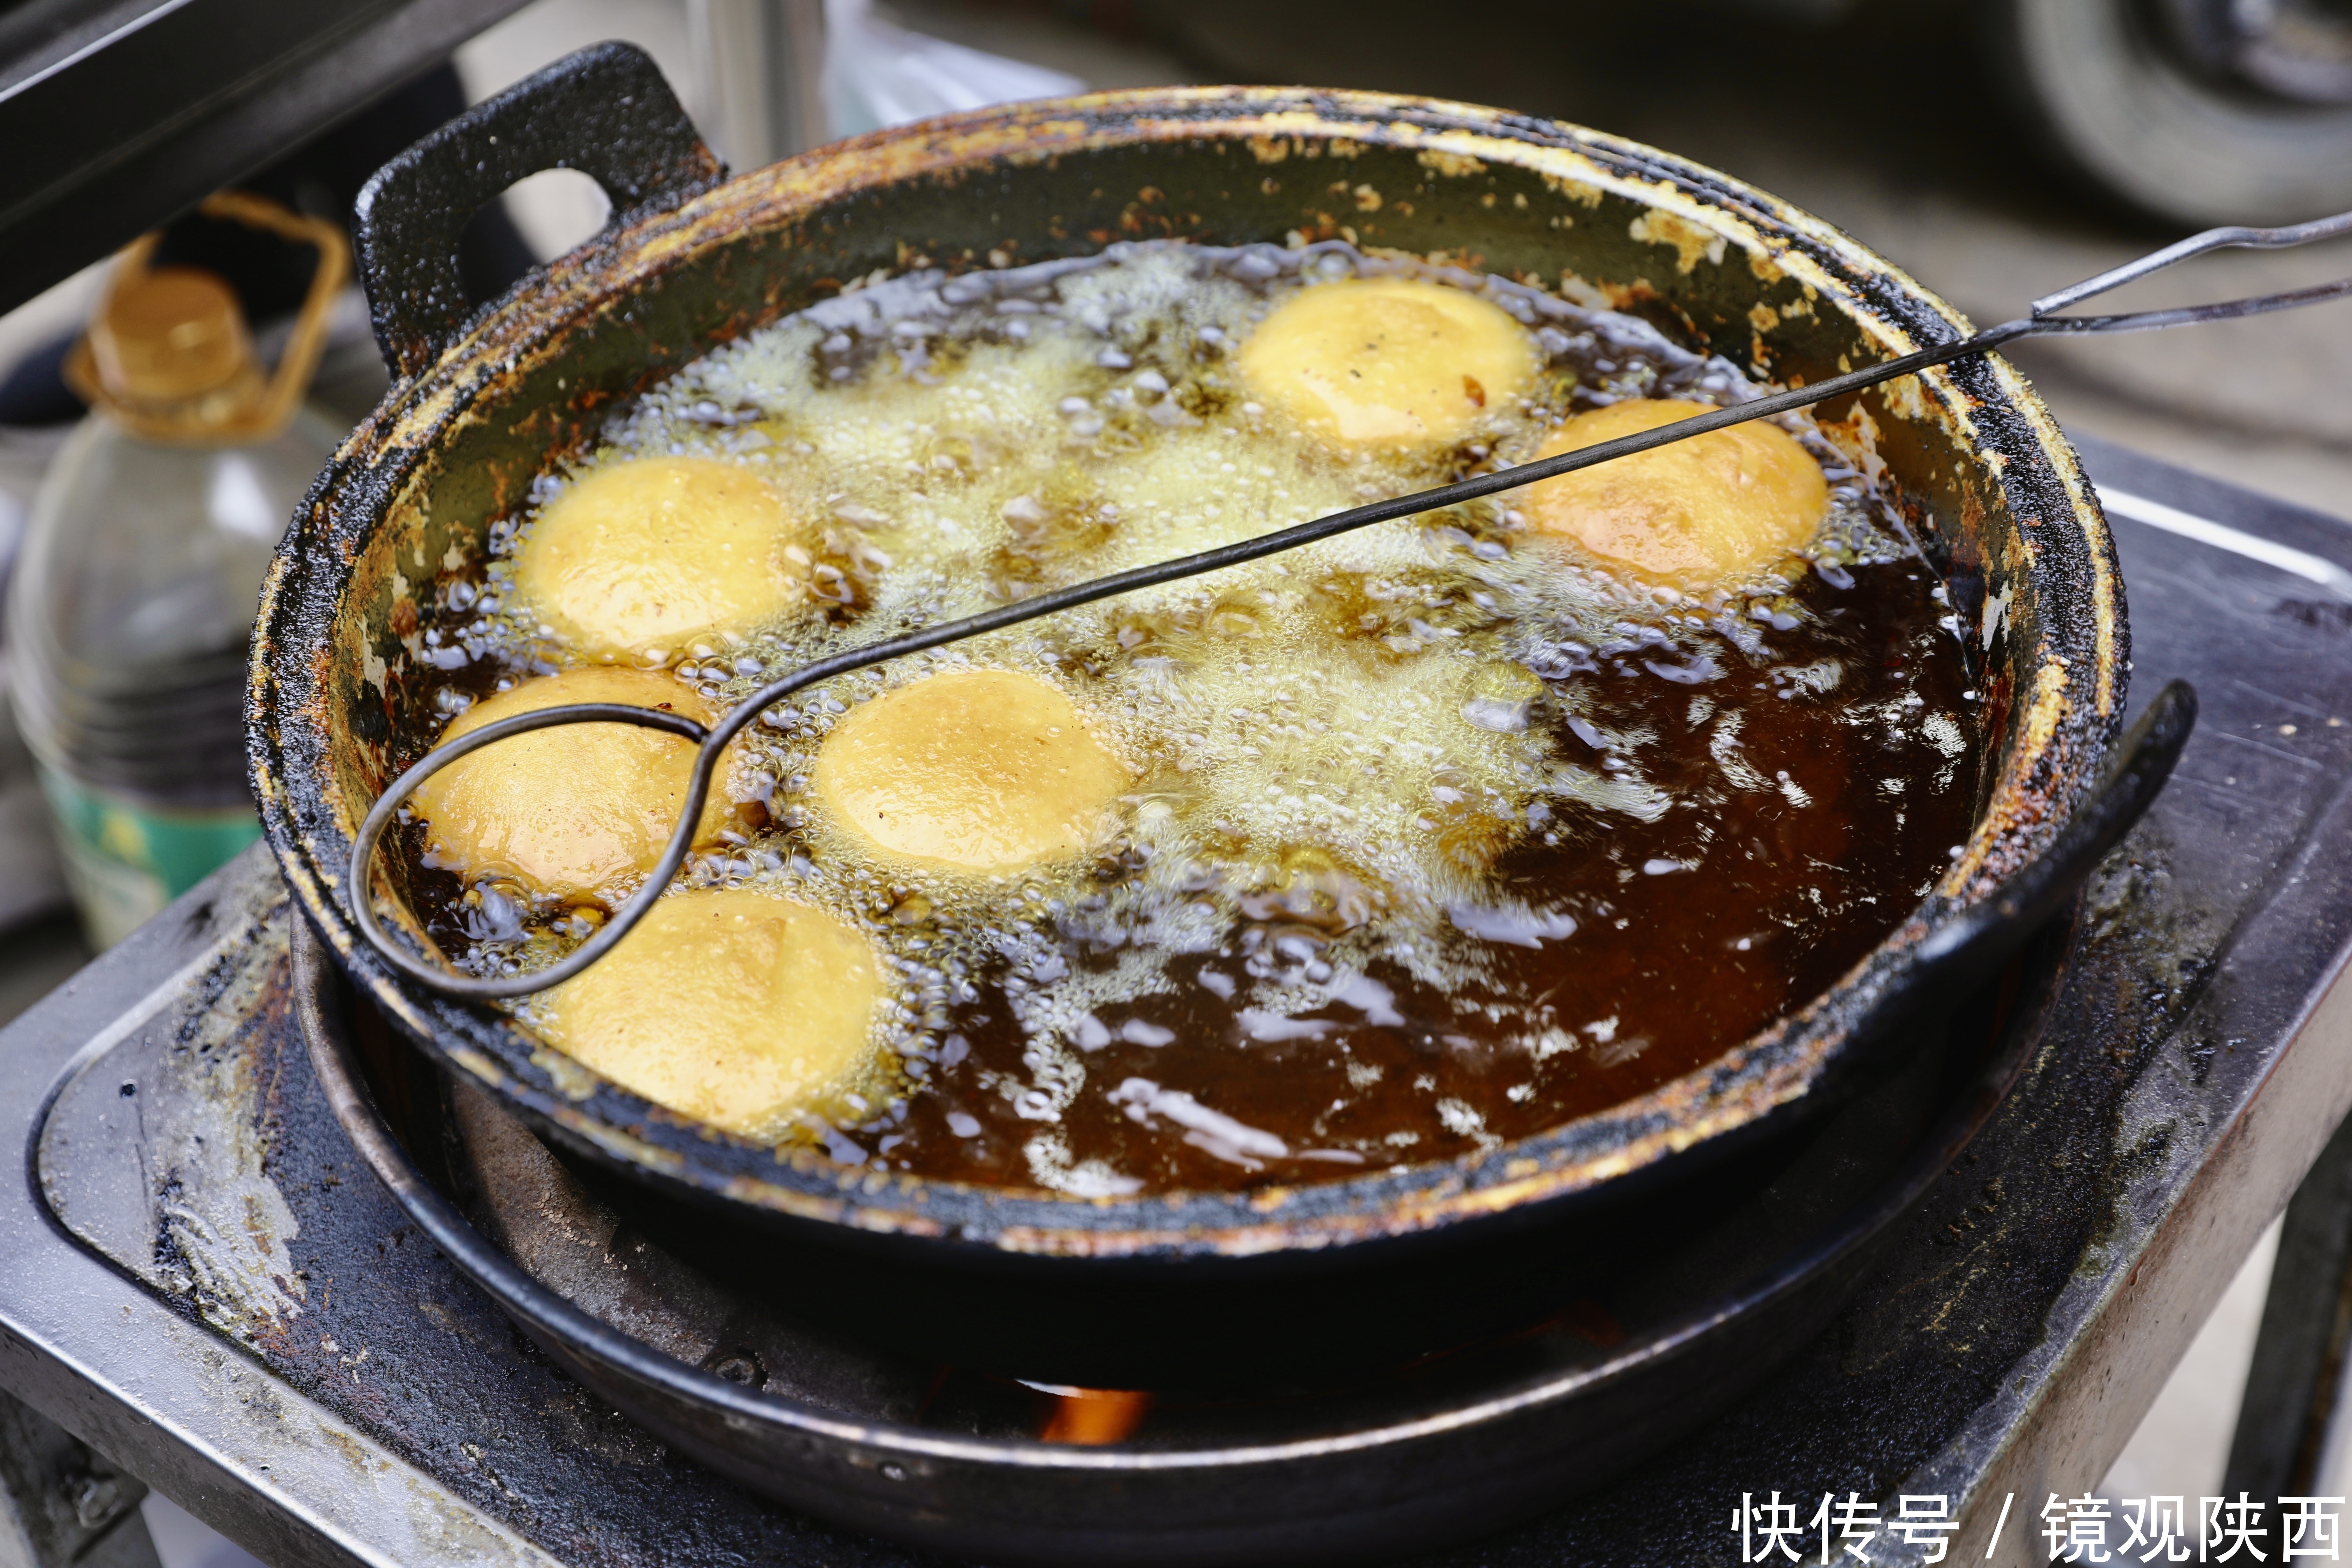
point(606, 111)
point(1965, 952)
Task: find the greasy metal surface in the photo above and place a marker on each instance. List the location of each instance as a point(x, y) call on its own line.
point(1982, 472)
point(2008, 1341)
point(2250, 884)
point(139, 1374)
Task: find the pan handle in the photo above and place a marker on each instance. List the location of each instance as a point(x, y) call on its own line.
point(1966, 952)
point(606, 111)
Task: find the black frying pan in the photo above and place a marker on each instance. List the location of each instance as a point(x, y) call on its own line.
point(486, 399)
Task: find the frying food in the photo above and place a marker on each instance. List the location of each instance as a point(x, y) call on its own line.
point(1390, 848)
point(1713, 508)
point(1395, 361)
point(982, 771)
point(644, 557)
point(572, 810)
point(734, 1008)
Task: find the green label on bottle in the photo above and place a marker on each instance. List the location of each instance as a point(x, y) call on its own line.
point(125, 862)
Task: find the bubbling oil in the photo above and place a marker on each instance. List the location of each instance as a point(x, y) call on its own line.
point(1440, 833)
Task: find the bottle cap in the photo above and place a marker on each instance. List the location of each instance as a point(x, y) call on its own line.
point(168, 356)
point(169, 335)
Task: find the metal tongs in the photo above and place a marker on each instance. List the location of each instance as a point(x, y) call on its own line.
point(713, 739)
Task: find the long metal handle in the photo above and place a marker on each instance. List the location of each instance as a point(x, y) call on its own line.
point(714, 741)
point(2212, 239)
point(606, 111)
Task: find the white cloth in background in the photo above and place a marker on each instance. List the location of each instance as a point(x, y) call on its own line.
point(878, 73)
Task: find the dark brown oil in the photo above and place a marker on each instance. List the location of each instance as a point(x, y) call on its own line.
point(1806, 738)
point(1780, 901)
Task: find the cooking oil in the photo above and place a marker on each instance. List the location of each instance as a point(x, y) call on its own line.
point(1440, 833)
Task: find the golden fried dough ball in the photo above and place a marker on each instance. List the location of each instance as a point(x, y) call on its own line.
point(574, 809)
point(731, 1006)
point(647, 555)
point(1387, 360)
point(983, 770)
point(1711, 509)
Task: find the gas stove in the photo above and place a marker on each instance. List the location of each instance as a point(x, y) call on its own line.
point(204, 1282)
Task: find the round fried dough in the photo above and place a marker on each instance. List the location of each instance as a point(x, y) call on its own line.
point(985, 770)
point(731, 1006)
point(644, 556)
point(1391, 361)
point(1714, 508)
point(573, 808)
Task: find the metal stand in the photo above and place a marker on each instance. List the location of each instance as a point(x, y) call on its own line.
point(2291, 1426)
point(62, 1504)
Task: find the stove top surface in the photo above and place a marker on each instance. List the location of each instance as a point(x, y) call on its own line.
point(207, 1285)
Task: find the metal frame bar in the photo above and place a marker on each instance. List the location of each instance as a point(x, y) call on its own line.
point(2291, 1420)
point(118, 117)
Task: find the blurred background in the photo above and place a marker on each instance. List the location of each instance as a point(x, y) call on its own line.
point(1995, 149)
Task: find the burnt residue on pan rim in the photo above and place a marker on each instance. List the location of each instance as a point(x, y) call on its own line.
point(2069, 689)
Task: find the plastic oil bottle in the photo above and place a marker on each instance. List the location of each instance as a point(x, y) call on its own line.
point(134, 596)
